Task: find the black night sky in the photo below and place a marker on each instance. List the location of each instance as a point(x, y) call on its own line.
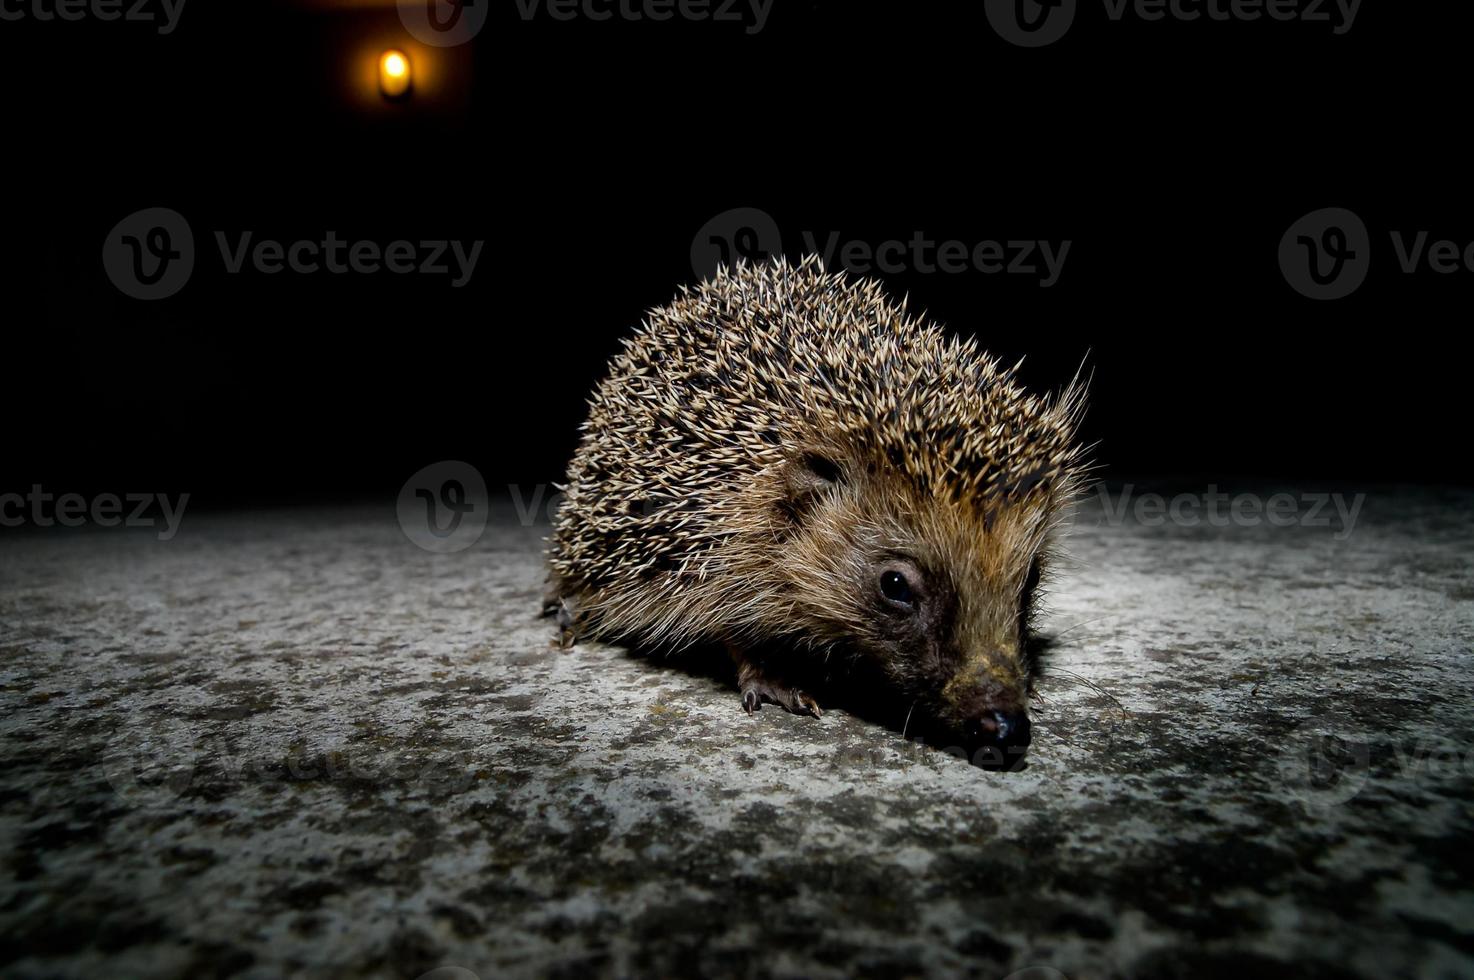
point(586, 156)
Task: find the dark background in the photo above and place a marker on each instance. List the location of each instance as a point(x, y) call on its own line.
point(587, 155)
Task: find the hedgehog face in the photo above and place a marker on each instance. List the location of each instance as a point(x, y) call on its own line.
point(937, 594)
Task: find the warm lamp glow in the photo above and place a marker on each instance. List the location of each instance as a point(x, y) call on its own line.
point(394, 73)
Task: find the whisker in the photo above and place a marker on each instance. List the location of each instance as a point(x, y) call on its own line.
point(1097, 689)
point(1083, 622)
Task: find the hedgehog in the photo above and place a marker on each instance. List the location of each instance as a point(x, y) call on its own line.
point(783, 463)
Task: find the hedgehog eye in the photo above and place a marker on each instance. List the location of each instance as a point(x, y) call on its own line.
point(897, 589)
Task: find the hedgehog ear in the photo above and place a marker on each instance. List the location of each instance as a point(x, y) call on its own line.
point(820, 468)
point(806, 478)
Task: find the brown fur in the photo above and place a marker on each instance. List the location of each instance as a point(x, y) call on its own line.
point(776, 439)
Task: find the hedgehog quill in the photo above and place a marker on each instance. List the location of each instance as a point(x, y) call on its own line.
point(784, 463)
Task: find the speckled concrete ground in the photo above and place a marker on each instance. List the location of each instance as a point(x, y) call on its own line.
point(296, 743)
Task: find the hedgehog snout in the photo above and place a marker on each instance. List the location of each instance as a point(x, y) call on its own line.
point(991, 720)
point(997, 739)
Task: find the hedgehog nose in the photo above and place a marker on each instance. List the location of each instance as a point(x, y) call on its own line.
point(997, 740)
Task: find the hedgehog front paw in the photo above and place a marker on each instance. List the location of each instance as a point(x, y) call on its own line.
point(757, 686)
point(756, 689)
point(564, 610)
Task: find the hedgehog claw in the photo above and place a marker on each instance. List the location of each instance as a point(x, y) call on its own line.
point(758, 686)
point(795, 701)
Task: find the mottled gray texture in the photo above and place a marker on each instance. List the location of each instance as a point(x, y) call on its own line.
point(294, 742)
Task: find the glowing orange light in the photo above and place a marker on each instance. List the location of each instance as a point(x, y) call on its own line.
point(394, 73)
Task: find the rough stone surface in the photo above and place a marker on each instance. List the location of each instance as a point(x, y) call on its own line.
point(293, 742)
